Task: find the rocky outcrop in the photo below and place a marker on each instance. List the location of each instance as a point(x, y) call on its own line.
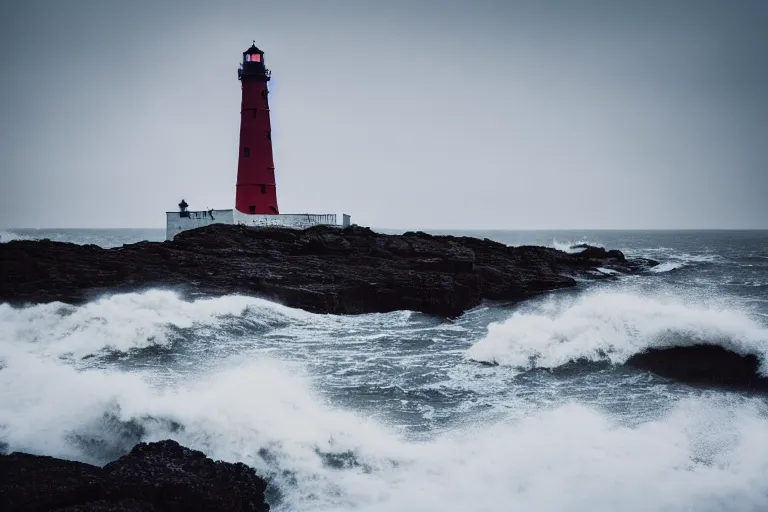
point(321, 269)
point(710, 365)
point(162, 476)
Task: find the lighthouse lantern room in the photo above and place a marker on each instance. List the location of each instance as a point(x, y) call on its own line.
point(256, 190)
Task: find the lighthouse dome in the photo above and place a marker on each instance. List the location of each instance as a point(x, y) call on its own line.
point(252, 65)
point(253, 54)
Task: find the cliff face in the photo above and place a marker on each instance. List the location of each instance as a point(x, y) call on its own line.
point(322, 269)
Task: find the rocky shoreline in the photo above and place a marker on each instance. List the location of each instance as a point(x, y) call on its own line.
point(322, 269)
point(344, 271)
point(155, 477)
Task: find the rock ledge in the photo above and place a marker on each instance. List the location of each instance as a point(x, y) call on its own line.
point(322, 269)
point(159, 477)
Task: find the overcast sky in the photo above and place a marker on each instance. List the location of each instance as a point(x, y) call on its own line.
point(404, 114)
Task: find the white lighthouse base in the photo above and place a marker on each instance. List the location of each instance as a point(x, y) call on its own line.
point(182, 221)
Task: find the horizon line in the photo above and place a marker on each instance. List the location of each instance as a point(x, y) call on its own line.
point(428, 229)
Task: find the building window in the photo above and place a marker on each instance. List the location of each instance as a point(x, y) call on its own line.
point(246, 151)
point(263, 189)
point(269, 135)
point(252, 210)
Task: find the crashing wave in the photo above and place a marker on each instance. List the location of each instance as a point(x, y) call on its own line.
point(613, 326)
point(667, 266)
point(8, 236)
point(697, 258)
point(704, 451)
point(129, 321)
point(158, 318)
point(573, 247)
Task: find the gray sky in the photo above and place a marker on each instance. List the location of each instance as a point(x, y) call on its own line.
point(432, 114)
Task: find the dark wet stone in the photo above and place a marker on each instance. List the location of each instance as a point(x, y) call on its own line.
point(31, 482)
point(710, 365)
point(322, 269)
point(162, 476)
point(112, 506)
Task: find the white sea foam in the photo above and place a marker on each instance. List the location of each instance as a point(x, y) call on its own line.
point(696, 258)
point(667, 266)
point(7, 236)
point(123, 322)
point(569, 246)
point(126, 321)
point(706, 454)
point(613, 326)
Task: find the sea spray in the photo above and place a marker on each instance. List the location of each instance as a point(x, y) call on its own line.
point(667, 266)
point(387, 412)
point(703, 454)
point(573, 247)
point(128, 321)
point(611, 325)
point(8, 236)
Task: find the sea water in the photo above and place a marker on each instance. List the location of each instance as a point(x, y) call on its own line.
point(401, 411)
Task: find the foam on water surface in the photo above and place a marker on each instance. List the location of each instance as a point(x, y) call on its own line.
point(703, 454)
point(611, 325)
point(394, 411)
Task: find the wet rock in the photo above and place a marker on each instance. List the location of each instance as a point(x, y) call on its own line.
point(710, 365)
point(30, 482)
point(162, 476)
point(322, 269)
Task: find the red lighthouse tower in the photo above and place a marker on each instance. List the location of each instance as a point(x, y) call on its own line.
point(256, 197)
point(256, 190)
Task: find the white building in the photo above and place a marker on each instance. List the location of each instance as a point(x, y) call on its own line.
point(183, 220)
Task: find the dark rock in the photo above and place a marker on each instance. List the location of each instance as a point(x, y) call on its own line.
point(321, 269)
point(177, 478)
point(30, 482)
point(162, 476)
point(710, 365)
point(112, 506)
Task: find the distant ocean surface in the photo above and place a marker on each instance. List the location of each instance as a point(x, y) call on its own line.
point(395, 411)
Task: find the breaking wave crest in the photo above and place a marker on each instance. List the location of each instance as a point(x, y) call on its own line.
point(160, 318)
point(697, 258)
point(613, 326)
point(7, 236)
point(677, 261)
point(703, 454)
point(667, 266)
point(130, 321)
point(570, 247)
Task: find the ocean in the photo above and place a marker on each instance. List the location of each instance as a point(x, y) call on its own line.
point(401, 411)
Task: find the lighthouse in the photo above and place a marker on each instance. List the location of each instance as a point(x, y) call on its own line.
point(255, 189)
